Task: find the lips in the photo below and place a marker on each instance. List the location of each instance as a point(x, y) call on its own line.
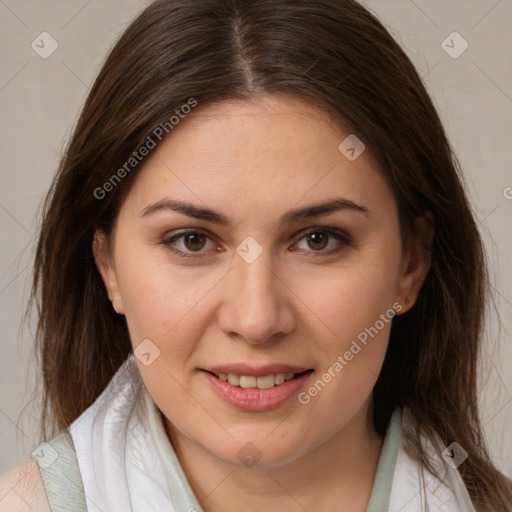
point(256, 388)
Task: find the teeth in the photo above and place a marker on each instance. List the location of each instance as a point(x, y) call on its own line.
point(269, 381)
point(233, 379)
point(251, 382)
point(248, 382)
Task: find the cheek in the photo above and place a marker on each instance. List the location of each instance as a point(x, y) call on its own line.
point(354, 309)
point(352, 298)
point(159, 296)
point(167, 306)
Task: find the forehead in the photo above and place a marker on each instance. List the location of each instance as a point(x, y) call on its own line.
point(270, 151)
point(251, 129)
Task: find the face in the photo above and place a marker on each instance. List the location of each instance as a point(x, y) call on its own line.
point(250, 245)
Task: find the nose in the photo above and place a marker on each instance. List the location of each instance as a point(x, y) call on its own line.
point(257, 305)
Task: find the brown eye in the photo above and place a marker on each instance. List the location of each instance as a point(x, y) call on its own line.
point(194, 241)
point(323, 241)
point(318, 240)
point(186, 243)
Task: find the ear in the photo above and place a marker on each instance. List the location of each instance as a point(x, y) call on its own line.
point(104, 261)
point(415, 263)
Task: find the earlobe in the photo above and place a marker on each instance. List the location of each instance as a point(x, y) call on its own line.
point(105, 266)
point(416, 263)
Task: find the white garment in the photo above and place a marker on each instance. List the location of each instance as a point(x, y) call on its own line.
point(409, 493)
point(120, 463)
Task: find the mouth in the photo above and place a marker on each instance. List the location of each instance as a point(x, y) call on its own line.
point(254, 382)
point(256, 389)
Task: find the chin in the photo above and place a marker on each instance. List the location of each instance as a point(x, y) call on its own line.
point(259, 451)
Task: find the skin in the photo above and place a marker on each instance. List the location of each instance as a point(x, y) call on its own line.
point(296, 304)
point(22, 489)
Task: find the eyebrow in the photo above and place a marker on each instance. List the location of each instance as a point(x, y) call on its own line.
point(290, 217)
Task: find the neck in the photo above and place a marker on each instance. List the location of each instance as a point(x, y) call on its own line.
point(341, 470)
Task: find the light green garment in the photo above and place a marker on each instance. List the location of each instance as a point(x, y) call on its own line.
point(381, 492)
point(64, 488)
point(61, 475)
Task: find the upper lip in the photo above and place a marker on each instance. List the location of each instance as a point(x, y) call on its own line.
point(256, 371)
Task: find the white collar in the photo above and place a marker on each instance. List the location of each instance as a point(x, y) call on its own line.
point(413, 485)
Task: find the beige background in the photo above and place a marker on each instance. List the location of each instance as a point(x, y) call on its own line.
point(40, 100)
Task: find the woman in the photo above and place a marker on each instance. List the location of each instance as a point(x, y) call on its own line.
point(260, 285)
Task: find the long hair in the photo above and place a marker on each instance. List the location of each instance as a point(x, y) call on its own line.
point(333, 53)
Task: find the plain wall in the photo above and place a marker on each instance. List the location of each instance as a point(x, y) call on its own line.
point(40, 100)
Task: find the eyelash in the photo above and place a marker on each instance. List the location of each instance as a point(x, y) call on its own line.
point(338, 235)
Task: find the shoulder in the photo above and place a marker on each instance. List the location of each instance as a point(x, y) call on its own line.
point(22, 489)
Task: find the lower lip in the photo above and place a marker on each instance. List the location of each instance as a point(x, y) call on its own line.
point(256, 399)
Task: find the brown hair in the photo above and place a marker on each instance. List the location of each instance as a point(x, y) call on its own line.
point(331, 52)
